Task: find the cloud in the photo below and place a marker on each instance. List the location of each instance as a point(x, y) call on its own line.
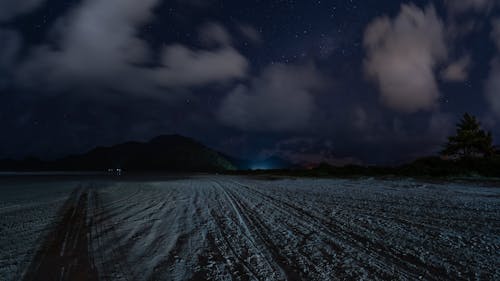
point(493, 82)
point(440, 126)
point(307, 151)
point(11, 42)
point(183, 67)
point(9, 49)
point(495, 34)
point(402, 54)
point(196, 3)
point(457, 71)
point(461, 6)
point(280, 99)
point(10, 9)
point(360, 118)
point(250, 33)
point(98, 51)
point(467, 16)
point(214, 34)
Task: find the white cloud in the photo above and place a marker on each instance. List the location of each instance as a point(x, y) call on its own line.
point(99, 51)
point(457, 71)
point(10, 9)
point(280, 99)
point(402, 55)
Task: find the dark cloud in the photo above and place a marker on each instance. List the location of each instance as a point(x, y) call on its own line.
point(461, 6)
point(402, 54)
point(214, 34)
point(360, 119)
point(11, 42)
point(10, 9)
point(9, 48)
point(440, 126)
point(493, 81)
point(307, 150)
point(183, 67)
point(250, 33)
point(280, 99)
point(197, 3)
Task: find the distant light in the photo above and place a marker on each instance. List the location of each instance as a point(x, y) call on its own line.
point(261, 166)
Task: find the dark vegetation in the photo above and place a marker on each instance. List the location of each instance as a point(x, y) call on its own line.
point(468, 153)
point(428, 167)
point(470, 141)
point(171, 153)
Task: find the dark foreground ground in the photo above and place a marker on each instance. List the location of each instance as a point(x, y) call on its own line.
point(240, 228)
point(64, 253)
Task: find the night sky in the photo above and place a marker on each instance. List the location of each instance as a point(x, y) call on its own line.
point(344, 81)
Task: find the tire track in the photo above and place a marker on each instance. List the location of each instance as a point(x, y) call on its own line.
point(408, 266)
point(232, 228)
point(252, 239)
point(65, 253)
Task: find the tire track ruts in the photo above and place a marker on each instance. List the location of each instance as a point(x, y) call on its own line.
point(64, 255)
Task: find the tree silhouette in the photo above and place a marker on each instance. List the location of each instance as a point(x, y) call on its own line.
point(470, 140)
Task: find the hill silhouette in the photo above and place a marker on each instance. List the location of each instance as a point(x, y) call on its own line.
point(164, 153)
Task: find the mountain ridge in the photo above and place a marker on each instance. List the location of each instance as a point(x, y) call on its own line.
point(164, 153)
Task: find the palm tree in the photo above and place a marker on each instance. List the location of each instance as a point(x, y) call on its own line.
point(470, 140)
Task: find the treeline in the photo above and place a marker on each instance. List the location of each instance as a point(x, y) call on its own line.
point(434, 167)
point(467, 153)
